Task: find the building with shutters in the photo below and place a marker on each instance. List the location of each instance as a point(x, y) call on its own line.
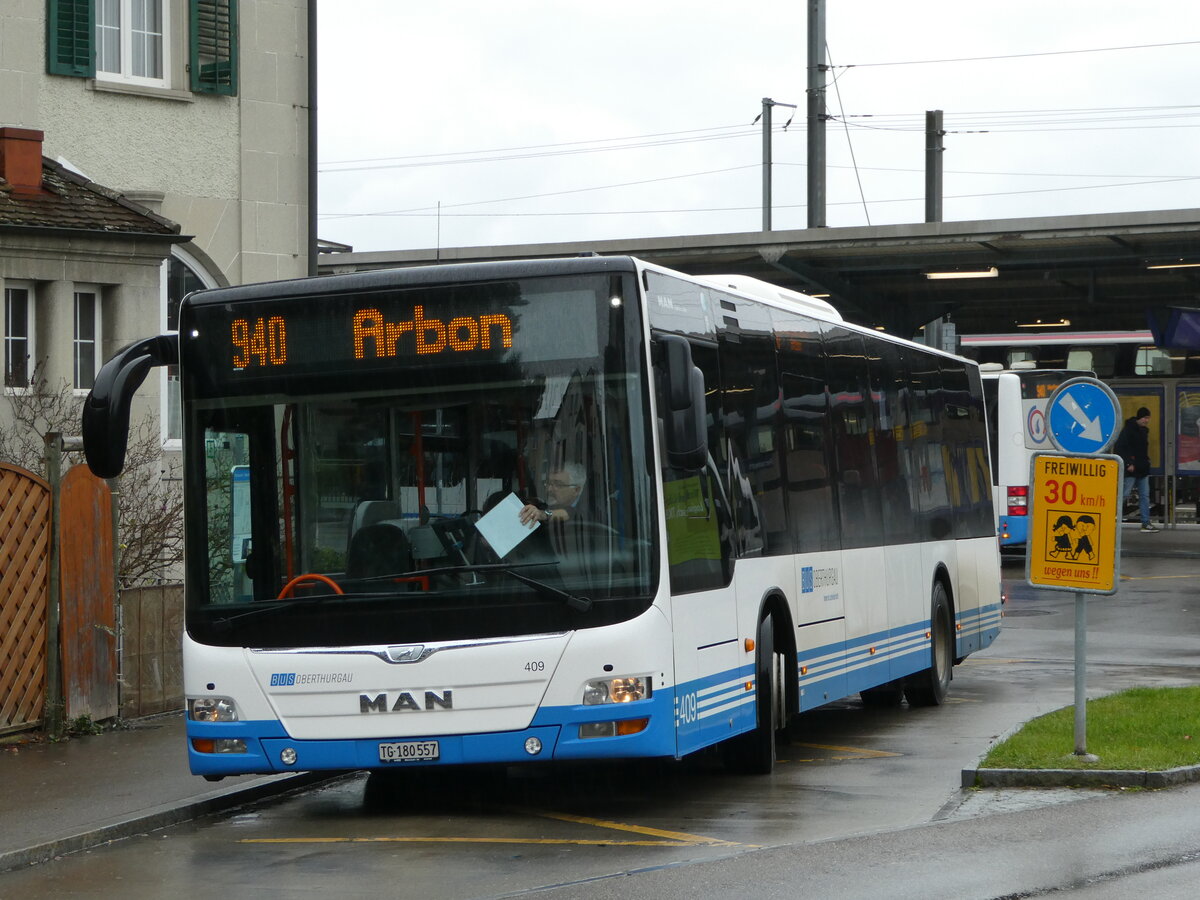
point(195, 111)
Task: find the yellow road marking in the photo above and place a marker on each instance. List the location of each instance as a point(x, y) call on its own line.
point(677, 836)
point(598, 842)
point(666, 838)
point(855, 752)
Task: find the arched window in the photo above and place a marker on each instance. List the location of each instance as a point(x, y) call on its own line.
point(184, 274)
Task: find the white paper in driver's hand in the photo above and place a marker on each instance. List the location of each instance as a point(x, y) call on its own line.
point(502, 525)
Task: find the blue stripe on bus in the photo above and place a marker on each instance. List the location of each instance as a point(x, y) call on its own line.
point(693, 715)
point(714, 708)
point(556, 727)
point(977, 628)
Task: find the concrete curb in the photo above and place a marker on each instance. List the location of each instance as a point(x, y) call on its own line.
point(160, 817)
point(1071, 778)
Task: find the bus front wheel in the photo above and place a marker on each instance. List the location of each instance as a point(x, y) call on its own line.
point(929, 687)
point(753, 753)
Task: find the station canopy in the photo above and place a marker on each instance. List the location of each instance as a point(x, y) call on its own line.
point(1110, 272)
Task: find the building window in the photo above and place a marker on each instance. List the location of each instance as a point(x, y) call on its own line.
point(18, 336)
point(213, 26)
point(129, 40)
point(87, 338)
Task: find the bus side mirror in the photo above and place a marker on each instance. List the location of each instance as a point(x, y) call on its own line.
point(105, 422)
point(684, 425)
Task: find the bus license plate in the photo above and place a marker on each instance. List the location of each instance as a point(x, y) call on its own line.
point(409, 751)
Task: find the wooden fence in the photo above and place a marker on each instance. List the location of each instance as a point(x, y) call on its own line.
point(151, 654)
point(24, 570)
point(80, 668)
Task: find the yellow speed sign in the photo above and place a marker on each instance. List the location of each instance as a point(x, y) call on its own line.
point(1075, 522)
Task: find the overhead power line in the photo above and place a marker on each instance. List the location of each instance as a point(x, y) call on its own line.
point(963, 59)
point(636, 137)
point(534, 153)
point(1010, 121)
point(432, 211)
point(602, 187)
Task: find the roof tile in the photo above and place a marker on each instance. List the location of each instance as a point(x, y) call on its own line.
point(70, 201)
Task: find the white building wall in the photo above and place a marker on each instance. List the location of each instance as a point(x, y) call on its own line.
point(232, 171)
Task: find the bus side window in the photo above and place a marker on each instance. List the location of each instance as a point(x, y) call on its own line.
point(931, 487)
point(750, 406)
point(853, 426)
point(1154, 361)
point(893, 441)
point(699, 525)
point(965, 450)
point(807, 443)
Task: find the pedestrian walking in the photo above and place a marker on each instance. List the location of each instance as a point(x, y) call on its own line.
point(1133, 446)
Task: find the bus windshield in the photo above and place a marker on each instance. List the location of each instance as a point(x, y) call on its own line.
point(375, 497)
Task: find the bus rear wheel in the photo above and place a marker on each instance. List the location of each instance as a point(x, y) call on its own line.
point(929, 687)
point(754, 753)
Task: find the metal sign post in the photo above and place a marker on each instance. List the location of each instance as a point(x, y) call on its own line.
point(1081, 677)
point(1075, 525)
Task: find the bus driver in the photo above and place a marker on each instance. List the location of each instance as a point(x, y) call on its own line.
point(564, 490)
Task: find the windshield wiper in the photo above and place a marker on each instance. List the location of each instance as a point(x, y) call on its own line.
point(581, 604)
point(268, 606)
point(575, 602)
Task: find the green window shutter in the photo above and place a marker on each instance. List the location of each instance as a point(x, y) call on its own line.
point(214, 46)
point(70, 36)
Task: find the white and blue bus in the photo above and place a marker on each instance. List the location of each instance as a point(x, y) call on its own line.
point(742, 508)
point(1015, 401)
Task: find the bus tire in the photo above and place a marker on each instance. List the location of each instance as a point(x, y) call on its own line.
point(753, 753)
point(929, 687)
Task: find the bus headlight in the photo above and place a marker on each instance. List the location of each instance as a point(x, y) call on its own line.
point(212, 709)
point(617, 690)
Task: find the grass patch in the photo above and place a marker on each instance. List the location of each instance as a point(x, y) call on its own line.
point(1141, 728)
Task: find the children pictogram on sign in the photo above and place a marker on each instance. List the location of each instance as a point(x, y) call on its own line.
point(1086, 527)
point(1071, 538)
point(1063, 534)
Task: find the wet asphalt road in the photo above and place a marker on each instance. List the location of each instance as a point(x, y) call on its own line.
point(864, 802)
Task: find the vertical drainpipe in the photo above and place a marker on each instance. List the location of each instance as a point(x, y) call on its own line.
point(312, 137)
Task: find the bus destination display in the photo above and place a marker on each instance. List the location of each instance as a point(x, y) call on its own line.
point(263, 341)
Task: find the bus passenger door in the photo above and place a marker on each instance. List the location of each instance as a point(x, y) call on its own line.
point(703, 608)
point(700, 562)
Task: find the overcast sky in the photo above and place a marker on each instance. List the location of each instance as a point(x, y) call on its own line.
point(532, 121)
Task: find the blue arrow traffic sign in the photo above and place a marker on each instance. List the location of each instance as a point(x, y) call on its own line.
point(1082, 416)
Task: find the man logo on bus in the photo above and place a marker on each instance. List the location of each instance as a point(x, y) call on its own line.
point(404, 702)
